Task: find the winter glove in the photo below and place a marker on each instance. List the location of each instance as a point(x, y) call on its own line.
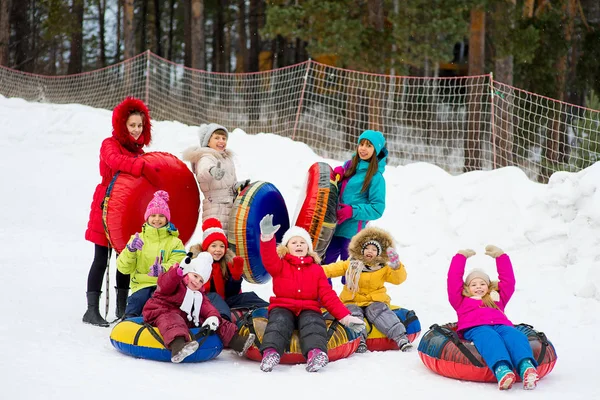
point(217, 172)
point(155, 269)
point(236, 268)
point(354, 323)
point(394, 259)
point(239, 186)
point(136, 244)
point(338, 172)
point(267, 230)
point(344, 212)
point(466, 252)
point(493, 251)
point(152, 174)
point(212, 323)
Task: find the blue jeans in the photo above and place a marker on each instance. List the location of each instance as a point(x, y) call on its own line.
point(500, 343)
point(337, 248)
point(242, 300)
point(137, 301)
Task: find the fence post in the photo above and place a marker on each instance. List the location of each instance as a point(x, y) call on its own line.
point(301, 98)
point(492, 120)
point(147, 77)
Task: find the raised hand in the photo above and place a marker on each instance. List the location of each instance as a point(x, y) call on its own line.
point(466, 252)
point(393, 257)
point(493, 251)
point(267, 229)
point(236, 268)
point(136, 244)
point(217, 172)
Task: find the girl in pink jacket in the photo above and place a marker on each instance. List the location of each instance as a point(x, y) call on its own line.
point(479, 304)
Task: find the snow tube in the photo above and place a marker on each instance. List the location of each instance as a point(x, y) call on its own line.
point(377, 341)
point(443, 352)
point(318, 206)
point(127, 198)
point(342, 341)
point(138, 339)
point(250, 206)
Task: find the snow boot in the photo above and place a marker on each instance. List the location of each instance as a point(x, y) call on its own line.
point(180, 349)
point(362, 346)
point(241, 344)
point(122, 295)
point(528, 374)
point(92, 315)
point(403, 343)
point(505, 376)
point(269, 360)
point(317, 359)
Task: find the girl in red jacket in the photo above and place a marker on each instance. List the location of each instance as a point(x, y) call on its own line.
point(118, 153)
point(300, 289)
point(179, 303)
point(224, 287)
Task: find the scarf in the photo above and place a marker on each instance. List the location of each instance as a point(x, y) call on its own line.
point(192, 302)
point(355, 268)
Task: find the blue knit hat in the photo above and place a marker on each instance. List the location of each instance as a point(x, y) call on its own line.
point(375, 137)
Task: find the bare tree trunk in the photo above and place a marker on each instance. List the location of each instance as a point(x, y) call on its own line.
point(144, 26)
point(218, 61)
point(118, 44)
point(476, 67)
point(197, 31)
point(76, 58)
point(171, 29)
point(242, 56)
point(52, 56)
point(187, 37)
point(503, 105)
point(375, 92)
point(528, 7)
point(253, 54)
point(101, 33)
point(157, 27)
point(20, 21)
point(128, 32)
point(5, 6)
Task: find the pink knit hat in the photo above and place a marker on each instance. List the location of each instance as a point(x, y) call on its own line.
point(158, 205)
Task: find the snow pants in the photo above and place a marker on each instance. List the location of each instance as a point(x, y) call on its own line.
point(174, 323)
point(380, 315)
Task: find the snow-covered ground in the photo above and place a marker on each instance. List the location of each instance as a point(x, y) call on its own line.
point(48, 172)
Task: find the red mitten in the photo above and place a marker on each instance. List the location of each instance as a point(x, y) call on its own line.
point(338, 172)
point(236, 268)
point(344, 212)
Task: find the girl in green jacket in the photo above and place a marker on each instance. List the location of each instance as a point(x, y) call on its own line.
point(149, 253)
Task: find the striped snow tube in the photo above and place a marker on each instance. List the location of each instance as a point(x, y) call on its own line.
point(138, 339)
point(377, 341)
point(342, 341)
point(250, 206)
point(128, 196)
point(443, 352)
point(318, 206)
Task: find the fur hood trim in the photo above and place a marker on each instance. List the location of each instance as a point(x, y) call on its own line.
point(197, 249)
point(371, 233)
point(195, 153)
point(283, 250)
point(119, 123)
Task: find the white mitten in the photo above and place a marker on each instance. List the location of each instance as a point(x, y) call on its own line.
point(466, 252)
point(212, 323)
point(354, 323)
point(493, 251)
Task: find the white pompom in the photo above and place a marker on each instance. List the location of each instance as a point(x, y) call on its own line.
point(495, 295)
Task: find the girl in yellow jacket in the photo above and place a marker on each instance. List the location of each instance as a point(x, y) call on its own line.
point(373, 261)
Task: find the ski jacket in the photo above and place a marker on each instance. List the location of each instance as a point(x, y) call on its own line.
point(117, 153)
point(218, 194)
point(298, 282)
point(473, 312)
point(366, 206)
point(163, 243)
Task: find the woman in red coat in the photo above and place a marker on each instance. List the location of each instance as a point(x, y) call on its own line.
point(131, 132)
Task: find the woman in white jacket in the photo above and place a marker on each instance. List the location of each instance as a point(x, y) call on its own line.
point(212, 163)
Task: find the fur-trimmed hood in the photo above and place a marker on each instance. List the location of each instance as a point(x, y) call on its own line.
point(195, 153)
point(371, 233)
point(119, 121)
point(282, 251)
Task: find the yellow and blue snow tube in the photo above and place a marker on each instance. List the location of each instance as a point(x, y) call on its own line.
point(138, 339)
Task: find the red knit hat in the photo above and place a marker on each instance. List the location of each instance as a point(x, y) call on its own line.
point(212, 230)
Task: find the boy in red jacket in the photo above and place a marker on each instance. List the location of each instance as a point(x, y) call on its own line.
point(300, 289)
point(179, 303)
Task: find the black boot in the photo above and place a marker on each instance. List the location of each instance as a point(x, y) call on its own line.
point(92, 315)
point(180, 349)
point(241, 344)
point(122, 295)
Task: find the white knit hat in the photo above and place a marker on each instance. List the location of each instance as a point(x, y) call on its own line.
point(477, 273)
point(206, 131)
point(202, 265)
point(300, 232)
